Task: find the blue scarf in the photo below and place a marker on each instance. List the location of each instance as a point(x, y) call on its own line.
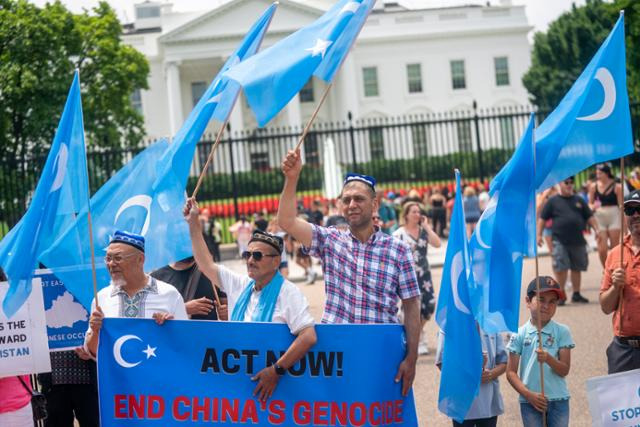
point(267, 303)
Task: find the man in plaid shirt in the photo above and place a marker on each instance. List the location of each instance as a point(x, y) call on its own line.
point(366, 271)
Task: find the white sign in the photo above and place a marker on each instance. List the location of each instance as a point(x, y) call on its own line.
point(24, 346)
point(614, 400)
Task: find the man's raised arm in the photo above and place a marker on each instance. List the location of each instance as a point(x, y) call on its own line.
point(287, 210)
point(200, 252)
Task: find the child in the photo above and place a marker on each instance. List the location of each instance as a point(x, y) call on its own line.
point(555, 356)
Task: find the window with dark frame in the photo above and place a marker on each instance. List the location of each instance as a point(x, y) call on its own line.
point(458, 80)
point(420, 139)
point(502, 70)
point(376, 143)
point(370, 79)
point(197, 90)
point(465, 141)
point(414, 78)
point(306, 93)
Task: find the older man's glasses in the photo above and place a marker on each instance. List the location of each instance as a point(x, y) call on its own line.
point(117, 258)
point(257, 255)
point(568, 182)
point(631, 210)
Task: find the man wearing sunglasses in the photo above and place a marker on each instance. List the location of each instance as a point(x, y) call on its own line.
point(132, 293)
point(570, 216)
point(263, 295)
point(623, 354)
point(366, 272)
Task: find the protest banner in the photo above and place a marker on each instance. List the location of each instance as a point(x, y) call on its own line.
point(614, 400)
point(197, 372)
point(67, 319)
point(23, 337)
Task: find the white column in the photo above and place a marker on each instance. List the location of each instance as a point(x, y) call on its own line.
point(347, 90)
point(236, 121)
point(172, 72)
point(294, 116)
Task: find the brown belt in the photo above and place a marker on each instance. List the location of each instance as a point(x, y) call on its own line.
point(630, 341)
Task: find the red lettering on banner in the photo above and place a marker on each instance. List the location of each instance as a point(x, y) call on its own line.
point(320, 413)
point(302, 413)
point(175, 408)
point(341, 413)
point(204, 408)
point(136, 407)
point(120, 406)
point(373, 420)
point(388, 412)
point(151, 404)
point(363, 414)
point(397, 412)
point(276, 412)
point(250, 411)
point(229, 411)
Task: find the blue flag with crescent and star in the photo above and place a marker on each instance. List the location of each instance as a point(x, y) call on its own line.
point(217, 102)
point(497, 251)
point(129, 202)
point(591, 124)
point(462, 352)
point(62, 192)
point(272, 77)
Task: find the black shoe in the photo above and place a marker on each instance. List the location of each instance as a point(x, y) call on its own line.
point(562, 301)
point(579, 298)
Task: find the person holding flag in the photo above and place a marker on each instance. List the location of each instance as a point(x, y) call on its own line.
point(263, 295)
point(366, 272)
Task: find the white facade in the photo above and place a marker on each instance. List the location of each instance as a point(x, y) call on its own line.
point(186, 50)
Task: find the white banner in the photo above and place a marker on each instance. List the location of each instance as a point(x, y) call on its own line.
point(24, 347)
point(614, 400)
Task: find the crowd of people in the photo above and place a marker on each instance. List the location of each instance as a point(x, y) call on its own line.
point(373, 250)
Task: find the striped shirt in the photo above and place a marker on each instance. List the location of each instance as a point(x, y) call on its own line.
point(363, 281)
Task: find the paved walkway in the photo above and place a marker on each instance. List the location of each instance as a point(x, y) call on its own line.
point(590, 328)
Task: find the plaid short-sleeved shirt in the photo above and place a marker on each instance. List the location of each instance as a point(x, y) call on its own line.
point(363, 281)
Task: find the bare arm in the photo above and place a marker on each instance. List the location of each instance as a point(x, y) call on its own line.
point(287, 212)
point(200, 252)
point(434, 239)
point(539, 228)
point(561, 365)
point(268, 377)
point(407, 369)
point(592, 195)
point(609, 298)
point(536, 399)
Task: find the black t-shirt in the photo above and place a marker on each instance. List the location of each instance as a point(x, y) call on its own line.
point(569, 215)
point(261, 224)
point(316, 217)
point(179, 279)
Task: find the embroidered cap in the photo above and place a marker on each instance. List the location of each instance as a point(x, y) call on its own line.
point(632, 198)
point(369, 180)
point(547, 284)
point(127, 238)
point(270, 239)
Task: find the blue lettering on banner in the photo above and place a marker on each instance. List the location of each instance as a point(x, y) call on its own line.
point(67, 319)
point(625, 414)
point(193, 372)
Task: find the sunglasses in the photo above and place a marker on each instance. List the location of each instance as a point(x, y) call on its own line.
point(568, 182)
point(257, 255)
point(631, 210)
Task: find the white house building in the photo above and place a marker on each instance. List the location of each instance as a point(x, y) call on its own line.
point(407, 60)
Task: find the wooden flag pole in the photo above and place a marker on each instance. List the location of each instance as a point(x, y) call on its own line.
point(622, 229)
point(538, 315)
point(209, 159)
point(313, 117)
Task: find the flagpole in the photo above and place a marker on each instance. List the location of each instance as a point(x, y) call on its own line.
point(622, 229)
point(538, 315)
point(313, 117)
point(209, 159)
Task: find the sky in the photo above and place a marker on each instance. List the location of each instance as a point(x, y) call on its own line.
point(539, 12)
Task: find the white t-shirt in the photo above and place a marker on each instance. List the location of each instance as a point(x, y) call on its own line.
point(291, 308)
point(161, 298)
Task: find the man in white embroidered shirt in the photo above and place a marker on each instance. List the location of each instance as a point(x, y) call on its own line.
point(131, 293)
point(263, 295)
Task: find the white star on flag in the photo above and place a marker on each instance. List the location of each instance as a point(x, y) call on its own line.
point(150, 351)
point(320, 48)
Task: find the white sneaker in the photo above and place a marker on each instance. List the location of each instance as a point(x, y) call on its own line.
point(423, 349)
point(311, 277)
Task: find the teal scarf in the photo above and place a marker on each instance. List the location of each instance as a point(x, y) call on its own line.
point(266, 305)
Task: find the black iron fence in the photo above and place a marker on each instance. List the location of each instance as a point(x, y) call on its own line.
point(401, 152)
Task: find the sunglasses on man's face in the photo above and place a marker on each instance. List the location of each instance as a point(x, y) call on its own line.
point(257, 255)
point(568, 182)
point(631, 210)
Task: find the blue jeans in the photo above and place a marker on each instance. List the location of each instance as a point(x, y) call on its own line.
point(557, 414)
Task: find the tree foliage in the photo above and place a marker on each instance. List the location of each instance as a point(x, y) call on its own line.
point(39, 50)
point(560, 54)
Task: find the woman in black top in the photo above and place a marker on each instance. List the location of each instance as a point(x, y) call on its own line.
point(604, 198)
